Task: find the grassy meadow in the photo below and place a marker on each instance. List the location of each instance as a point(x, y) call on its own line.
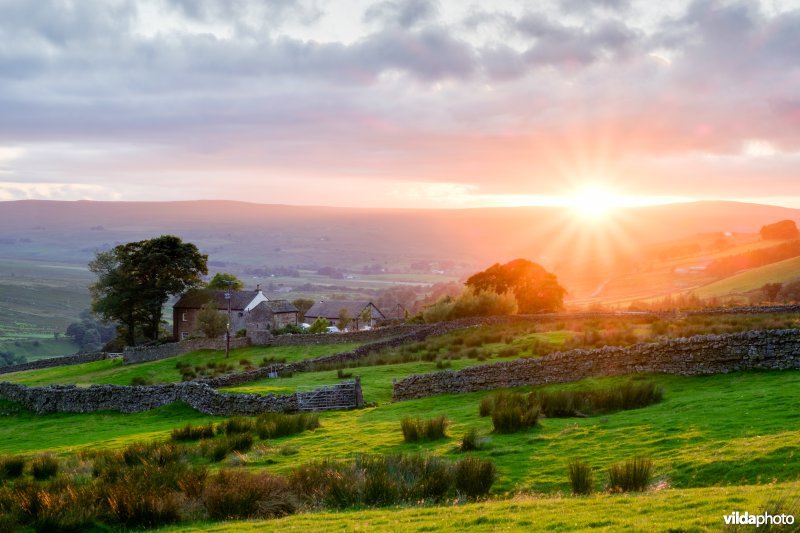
point(718, 443)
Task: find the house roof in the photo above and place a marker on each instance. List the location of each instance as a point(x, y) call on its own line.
point(276, 306)
point(195, 299)
point(330, 309)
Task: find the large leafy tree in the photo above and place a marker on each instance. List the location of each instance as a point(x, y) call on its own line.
point(225, 281)
point(535, 289)
point(136, 279)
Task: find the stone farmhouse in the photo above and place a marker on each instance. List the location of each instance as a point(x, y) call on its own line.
point(362, 313)
point(250, 310)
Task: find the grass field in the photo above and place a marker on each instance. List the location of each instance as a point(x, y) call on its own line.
point(114, 372)
point(783, 271)
point(38, 299)
point(719, 443)
point(666, 510)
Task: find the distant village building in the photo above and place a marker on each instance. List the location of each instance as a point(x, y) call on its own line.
point(362, 313)
point(249, 310)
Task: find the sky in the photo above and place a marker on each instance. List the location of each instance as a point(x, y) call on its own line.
point(401, 103)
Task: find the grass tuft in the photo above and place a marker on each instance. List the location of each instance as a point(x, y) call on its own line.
point(633, 475)
point(581, 478)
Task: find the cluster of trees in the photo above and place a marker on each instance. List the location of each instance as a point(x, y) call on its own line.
point(726, 266)
point(8, 358)
point(519, 286)
point(785, 229)
point(89, 334)
point(136, 279)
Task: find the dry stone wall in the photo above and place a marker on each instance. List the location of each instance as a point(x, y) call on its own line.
point(702, 354)
point(55, 361)
point(200, 396)
point(141, 354)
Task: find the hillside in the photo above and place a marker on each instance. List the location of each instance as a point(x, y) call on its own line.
point(637, 254)
point(755, 278)
point(707, 455)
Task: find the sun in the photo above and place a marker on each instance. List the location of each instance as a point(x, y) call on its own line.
point(593, 202)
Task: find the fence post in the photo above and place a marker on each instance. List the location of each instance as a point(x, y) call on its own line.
point(358, 393)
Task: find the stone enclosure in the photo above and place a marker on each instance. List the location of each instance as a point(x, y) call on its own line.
point(702, 354)
point(200, 396)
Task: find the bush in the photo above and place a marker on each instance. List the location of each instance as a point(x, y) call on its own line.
point(136, 506)
point(374, 480)
point(633, 475)
point(471, 441)
point(245, 362)
point(274, 425)
point(238, 442)
point(513, 412)
point(236, 495)
point(343, 375)
point(581, 478)
point(486, 406)
point(11, 467)
point(151, 453)
point(415, 429)
point(44, 467)
point(474, 476)
point(190, 432)
point(236, 425)
point(139, 381)
point(568, 403)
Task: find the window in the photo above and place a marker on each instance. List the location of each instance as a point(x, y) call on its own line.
point(184, 334)
point(183, 317)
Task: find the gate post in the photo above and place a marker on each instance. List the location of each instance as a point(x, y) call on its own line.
point(359, 395)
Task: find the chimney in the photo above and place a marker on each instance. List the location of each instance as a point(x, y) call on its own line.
point(258, 287)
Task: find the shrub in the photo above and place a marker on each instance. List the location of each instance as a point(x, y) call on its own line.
point(245, 362)
point(190, 432)
point(236, 425)
point(140, 381)
point(233, 495)
point(486, 406)
point(633, 475)
point(374, 480)
point(567, 403)
point(410, 429)
point(442, 364)
point(44, 467)
point(513, 412)
point(581, 478)
point(238, 442)
point(151, 453)
point(135, 506)
point(11, 467)
point(471, 441)
point(274, 425)
point(343, 375)
point(474, 476)
point(415, 429)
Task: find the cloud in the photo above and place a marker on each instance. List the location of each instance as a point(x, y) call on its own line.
point(402, 13)
point(500, 100)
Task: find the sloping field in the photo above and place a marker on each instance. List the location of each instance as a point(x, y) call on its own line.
point(755, 278)
point(666, 510)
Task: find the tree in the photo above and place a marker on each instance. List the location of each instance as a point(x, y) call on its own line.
point(471, 303)
point(210, 321)
point(225, 281)
point(344, 318)
point(136, 279)
point(302, 305)
point(785, 229)
point(771, 291)
point(535, 289)
point(320, 325)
